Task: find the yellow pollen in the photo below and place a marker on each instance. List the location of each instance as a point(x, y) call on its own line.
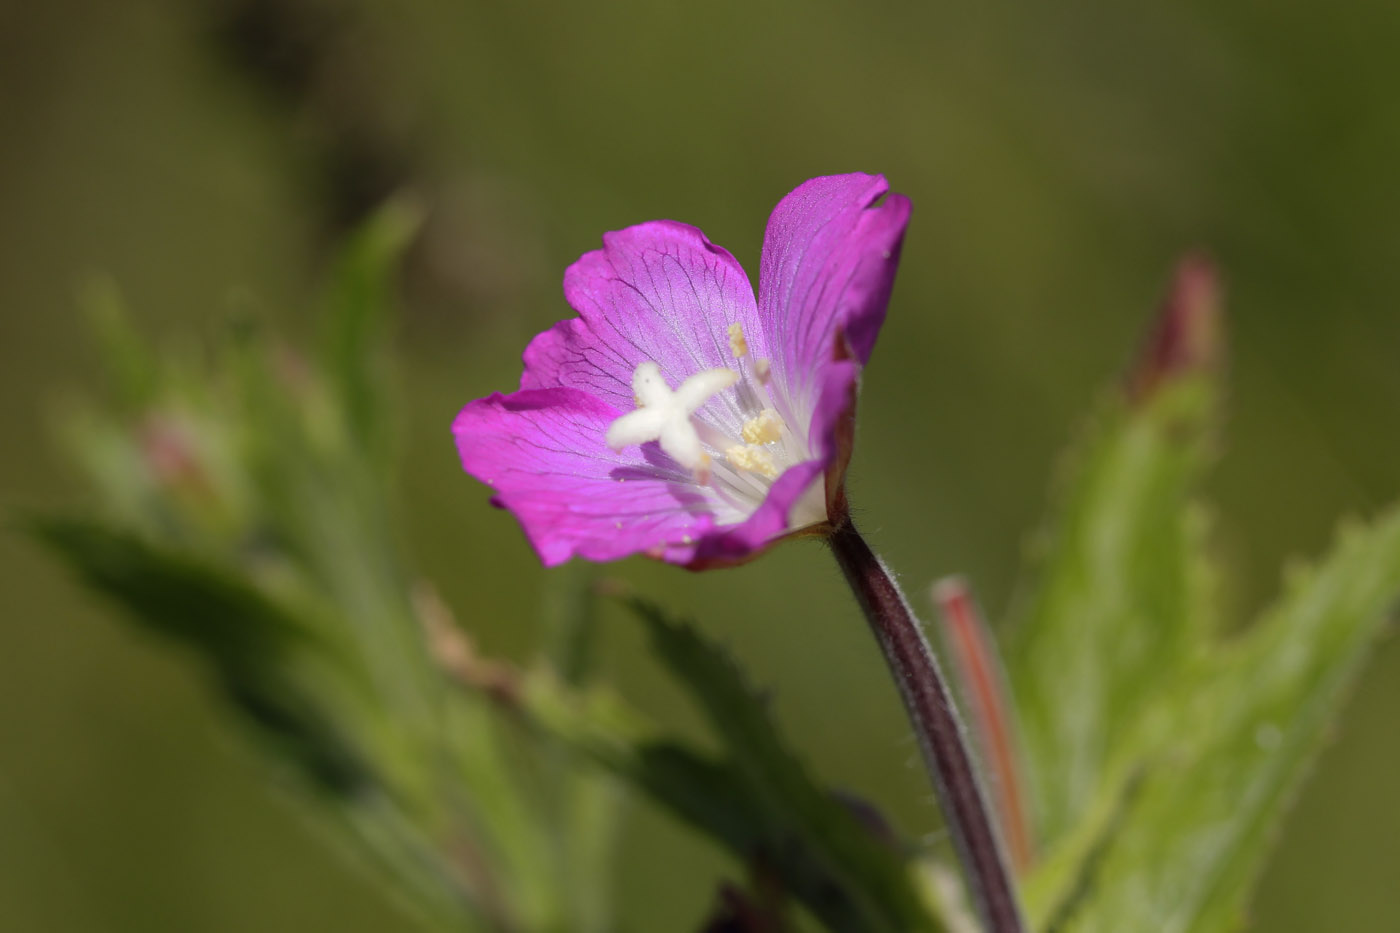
point(737, 344)
point(702, 471)
point(752, 458)
point(764, 429)
point(764, 370)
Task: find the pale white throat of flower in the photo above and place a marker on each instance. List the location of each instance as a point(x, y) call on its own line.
point(740, 470)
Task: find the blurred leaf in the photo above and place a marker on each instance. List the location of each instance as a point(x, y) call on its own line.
point(360, 296)
point(1162, 759)
point(254, 526)
point(1119, 602)
point(262, 657)
point(710, 795)
point(134, 370)
point(586, 842)
point(813, 842)
point(546, 816)
point(1234, 743)
point(245, 638)
point(176, 596)
point(1119, 605)
point(569, 628)
point(546, 819)
point(704, 793)
point(586, 801)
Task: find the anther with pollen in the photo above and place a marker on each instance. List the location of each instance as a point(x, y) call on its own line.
point(738, 345)
point(753, 458)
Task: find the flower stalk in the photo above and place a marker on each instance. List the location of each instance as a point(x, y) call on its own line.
point(929, 704)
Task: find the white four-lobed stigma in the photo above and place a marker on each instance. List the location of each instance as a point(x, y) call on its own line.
point(663, 415)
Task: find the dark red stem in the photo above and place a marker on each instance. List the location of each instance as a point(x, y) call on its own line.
point(936, 723)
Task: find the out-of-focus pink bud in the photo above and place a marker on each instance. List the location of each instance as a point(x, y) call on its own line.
point(1188, 336)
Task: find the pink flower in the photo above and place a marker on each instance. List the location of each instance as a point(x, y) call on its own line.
point(677, 416)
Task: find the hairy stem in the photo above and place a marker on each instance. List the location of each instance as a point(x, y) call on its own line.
point(936, 723)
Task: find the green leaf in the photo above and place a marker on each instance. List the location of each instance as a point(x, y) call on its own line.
point(1119, 604)
point(359, 299)
point(133, 369)
point(585, 802)
point(770, 808)
point(173, 594)
point(760, 804)
point(245, 638)
point(569, 623)
point(270, 666)
point(1234, 743)
point(712, 796)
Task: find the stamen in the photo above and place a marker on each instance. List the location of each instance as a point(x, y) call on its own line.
point(702, 471)
point(752, 458)
point(764, 429)
point(712, 435)
point(763, 369)
point(752, 486)
point(737, 344)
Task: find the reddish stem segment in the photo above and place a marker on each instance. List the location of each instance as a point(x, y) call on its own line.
point(930, 708)
point(975, 660)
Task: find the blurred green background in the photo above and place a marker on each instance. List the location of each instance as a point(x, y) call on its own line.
point(206, 155)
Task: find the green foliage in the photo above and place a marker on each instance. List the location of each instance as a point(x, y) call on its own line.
point(1223, 754)
point(755, 798)
point(247, 640)
point(1161, 756)
point(360, 297)
point(249, 519)
point(1120, 605)
point(585, 799)
point(845, 874)
point(176, 596)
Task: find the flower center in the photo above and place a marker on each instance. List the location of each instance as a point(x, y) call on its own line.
point(741, 468)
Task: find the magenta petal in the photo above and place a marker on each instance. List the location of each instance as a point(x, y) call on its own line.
point(829, 258)
point(834, 398)
point(541, 453)
point(658, 291)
